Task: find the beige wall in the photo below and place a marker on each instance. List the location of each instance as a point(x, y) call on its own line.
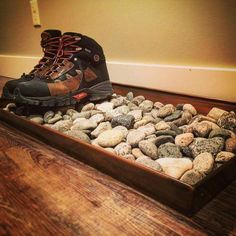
point(182, 32)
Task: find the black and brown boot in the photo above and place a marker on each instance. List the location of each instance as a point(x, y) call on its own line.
point(79, 70)
point(50, 41)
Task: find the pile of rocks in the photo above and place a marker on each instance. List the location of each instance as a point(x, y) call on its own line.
point(175, 140)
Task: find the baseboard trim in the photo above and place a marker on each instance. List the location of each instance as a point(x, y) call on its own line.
point(210, 82)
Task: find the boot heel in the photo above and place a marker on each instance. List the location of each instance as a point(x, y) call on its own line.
point(100, 91)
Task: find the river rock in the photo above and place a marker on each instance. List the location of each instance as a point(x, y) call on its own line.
point(110, 138)
point(83, 114)
point(88, 107)
point(146, 105)
point(187, 115)
point(134, 137)
point(181, 121)
point(71, 112)
point(138, 100)
point(62, 125)
point(129, 157)
point(78, 134)
point(201, 129)
point(148, 148)
point(213, 146)
point(191, 177)
point(105, 106)
point(83, 124)
point(187, 152)
point(101, 128)
point(166, 110)
point(54, 119)
point(66, 117)
point(119, 101)
point(130, 96)
point(228, 121)
point(175, 128)
point(111, 150)
point(123, 129)
point(36, 119)
point(137, 152)
point(169, 150)
point(204, 163)
point(211, 124)
point(123, 149)
point(158, 105)
point(140, 123)
point(216, 113)
point(98, 118)
point(224, 156)
point(175, 167)
point(190, 108)
point(184, 139)
point(148, 162)
point(166, 132)
point(147, 129)
point(230, 145)
point(123, 120)
point(220, 133)
point(137, 114)
point(179, 106)
point(177, 114)
point(48, 115)
point(132, 106)
point(163, 139)
point(162, 125)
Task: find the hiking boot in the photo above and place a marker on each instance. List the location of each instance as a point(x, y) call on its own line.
point(50, 40)
point(78, 71)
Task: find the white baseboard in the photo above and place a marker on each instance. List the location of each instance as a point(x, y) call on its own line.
point(217, 83)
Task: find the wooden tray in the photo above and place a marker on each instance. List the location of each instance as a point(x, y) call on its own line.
point(180, 196)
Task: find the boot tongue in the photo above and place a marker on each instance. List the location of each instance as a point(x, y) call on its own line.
point(50, 34)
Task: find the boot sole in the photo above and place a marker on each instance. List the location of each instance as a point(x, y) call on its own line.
point(97, 92)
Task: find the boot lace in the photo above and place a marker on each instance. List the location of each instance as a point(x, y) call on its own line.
point(50, 49)
point(68, 46)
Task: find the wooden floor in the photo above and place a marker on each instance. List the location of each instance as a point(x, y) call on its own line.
point(46, 192)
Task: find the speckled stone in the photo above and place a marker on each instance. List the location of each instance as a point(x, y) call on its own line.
point(166, 110)
point(184, 139)
point(204, 163)
point(98, 118)
point(101, 128)
point(224, 156)
point(123, 120)
point(111, 150)
point(147, 129)
point(166, 132)
point(48, 115)
point(175, 167)
point(169, 150)
point(162, 125)
point(55, 119)
point(216, 113)
point(191, 177)
point(148, 148)
point(123, 149)
point(230, 145)
point(123, 129)
point(146, 105)
point(62, 125)
point(130, 96)
point(134, 137)
point(88, 107)
point(71, 112)
point(110, 138)
point(83, 114)
point(78, 134)
point(163, 139)
point(84, 124)
point(138, 100)
point(137, 152)
point(36, 119)
point(119, 101)
point(129, 157)
point(148, 162)
point(177, 114)
point(137, 114)
point(201, 130)
point(190, 108)
point(140, 123)
point(223, 133)
point(158, 105)
point(213, 146)
point(228, 121)
point(181, 121)
point(105, 106)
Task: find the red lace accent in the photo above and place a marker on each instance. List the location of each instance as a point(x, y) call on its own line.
point(50, 49)
point(68, 46)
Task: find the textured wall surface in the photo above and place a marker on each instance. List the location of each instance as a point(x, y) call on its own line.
point(180, 32)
